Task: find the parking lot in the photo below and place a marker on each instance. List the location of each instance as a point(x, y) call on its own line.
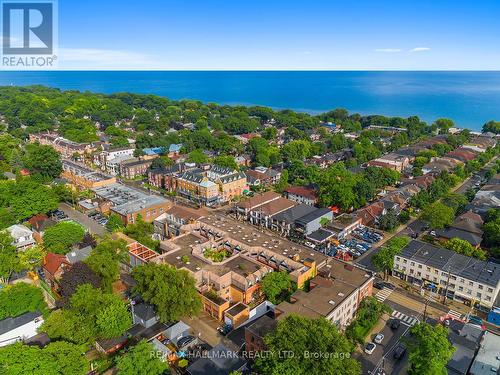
point(92, 225)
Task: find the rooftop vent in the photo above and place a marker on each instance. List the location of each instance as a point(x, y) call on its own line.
point(331, 302)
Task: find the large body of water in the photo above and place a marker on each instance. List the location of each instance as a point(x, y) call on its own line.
point(469, 98)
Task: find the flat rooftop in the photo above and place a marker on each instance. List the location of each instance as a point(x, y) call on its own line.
point(127, 200)
point(254, 236)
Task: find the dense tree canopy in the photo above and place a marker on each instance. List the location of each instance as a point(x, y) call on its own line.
point(105, 259)
point(139, 360)
point(60, 237)
point(276, 286)
point(19, 298)
point(172, 291)
point(91, 314)
point(430, 350)
point(79, 274)
point(438, 215)
point(306, 339)
point(56, 358)
point(42, 161)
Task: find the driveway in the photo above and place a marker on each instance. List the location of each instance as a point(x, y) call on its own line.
point(83, 219)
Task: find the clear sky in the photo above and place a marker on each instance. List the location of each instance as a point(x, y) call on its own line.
point(305, 34)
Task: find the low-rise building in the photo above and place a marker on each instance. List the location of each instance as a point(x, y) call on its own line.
point(302, 194)
point(83, 177)
point(457, 276)
point(467, 227)
point(487, 360)
point(22, 236)
point(109, 160)
point(170, 223)
point(244, 207)
point(129, 202)
point(64, 146)
point(20, 328)
point(335, 295)
point(135, 167)
point(391, 161)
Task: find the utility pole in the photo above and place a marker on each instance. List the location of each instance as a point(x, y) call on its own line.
point(447, 283)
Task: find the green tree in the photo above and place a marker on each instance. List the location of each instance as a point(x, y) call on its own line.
point(91, 314)
point(31, 258)
point(56, 358)
point(19, 298)
point(369, 312)
point(142, 231)
point(139, 361)
point(226, 161)
point(172, 291)
point(114, 223)
point(383, 260)
point(198, 157)
point(283, 181)
point(105, 259)
point(438, 215)
point(389, 221)
point(42, 161)
point(60, 237)
point(463, 247)
point(429, 350)
point(276, 286)
point(444, 124)
point(303, 337)
point(9, 261)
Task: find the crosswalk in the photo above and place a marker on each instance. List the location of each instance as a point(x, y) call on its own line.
point(456, 314)
point(383, 294)
point(410, 321)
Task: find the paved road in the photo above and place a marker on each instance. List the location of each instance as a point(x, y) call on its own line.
point(83, 219)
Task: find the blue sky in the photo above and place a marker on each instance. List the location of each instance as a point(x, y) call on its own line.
point(330, 35)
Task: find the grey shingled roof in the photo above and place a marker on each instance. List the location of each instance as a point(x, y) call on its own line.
point(8, 324)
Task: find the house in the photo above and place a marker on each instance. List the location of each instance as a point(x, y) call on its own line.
point(109, 161)
point(391, 161)
point(284, 222)
point(263, 214)
point(144, 314)
point(438, 165)
point(219, 361)
point(20, 328)
point(78, 255)
point(467, 226)
point(243, 160)
point(22, 236)
point(302, 194)
point(480, 144)
point(462, 154)
point(371, 214)
point(53, 267)
point(39, 223)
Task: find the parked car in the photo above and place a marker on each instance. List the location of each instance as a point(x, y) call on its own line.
point(370, 347)
point(379, 337)
point(183, 341)
point(378, 284)
point(399, 352)
point(224, 329)
point(395, 323)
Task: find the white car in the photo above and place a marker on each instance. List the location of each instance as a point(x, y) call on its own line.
point(370, 347)
point(378, 338)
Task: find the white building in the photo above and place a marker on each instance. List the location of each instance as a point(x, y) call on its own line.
point(20, 328)
point(444, 271)
point(22, 236)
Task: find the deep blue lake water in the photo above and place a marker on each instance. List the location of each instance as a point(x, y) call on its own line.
point(469, 98)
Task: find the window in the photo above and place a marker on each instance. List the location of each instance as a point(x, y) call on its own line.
point(419, 273)
point(461, 288)
point(405, 261)
point(419, 266)
point(480, 286)
point(471, 283)
point(469, 292)
point(478, 295)
point(428, 268)
point(398, 259)
point(462, 280)
point(412, 263)
point(488, 298)
point(490, 290)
